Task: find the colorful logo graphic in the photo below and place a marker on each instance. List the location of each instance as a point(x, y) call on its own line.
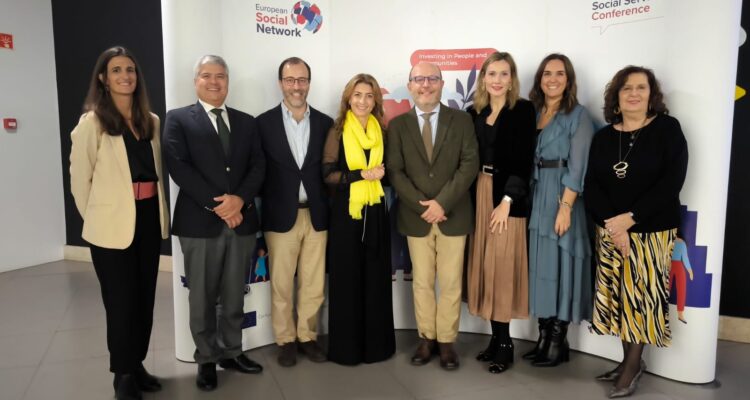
point(282, 21)
point(308, 15)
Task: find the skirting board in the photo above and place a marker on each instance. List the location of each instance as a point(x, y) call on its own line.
point(80, 253)
point(734, 329)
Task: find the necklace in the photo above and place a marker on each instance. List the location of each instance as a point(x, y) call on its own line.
point(621, 167)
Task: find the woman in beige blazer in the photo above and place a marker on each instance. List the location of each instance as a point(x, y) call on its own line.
point(116, 180)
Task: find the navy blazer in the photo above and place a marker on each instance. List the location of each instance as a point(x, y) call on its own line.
point(197, 164)
point(281, 189)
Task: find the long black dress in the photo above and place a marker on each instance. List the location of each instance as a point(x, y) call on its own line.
point(360, 308)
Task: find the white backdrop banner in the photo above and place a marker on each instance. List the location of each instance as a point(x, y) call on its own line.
point(691, 45)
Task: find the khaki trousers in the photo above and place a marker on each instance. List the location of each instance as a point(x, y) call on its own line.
point(301, 250)
point(437, 255)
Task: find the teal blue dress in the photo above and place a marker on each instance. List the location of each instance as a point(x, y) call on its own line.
point(560, 276)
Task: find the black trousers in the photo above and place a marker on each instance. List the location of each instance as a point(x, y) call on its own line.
point(128, 282)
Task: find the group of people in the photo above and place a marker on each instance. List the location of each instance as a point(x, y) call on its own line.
point(510, 176)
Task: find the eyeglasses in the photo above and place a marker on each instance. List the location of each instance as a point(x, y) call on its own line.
point(432, 79)
point(289, 81)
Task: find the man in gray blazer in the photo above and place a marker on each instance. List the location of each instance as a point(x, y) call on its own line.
point(432, 159)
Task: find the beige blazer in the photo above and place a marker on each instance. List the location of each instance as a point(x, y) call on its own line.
point(102, 186)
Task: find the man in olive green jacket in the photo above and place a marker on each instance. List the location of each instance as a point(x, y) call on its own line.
point(432, 159)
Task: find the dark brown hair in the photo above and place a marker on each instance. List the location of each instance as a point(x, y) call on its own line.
point(612, 94)
point(377, 110)
point(100, 102)
point(569, 98)
point(294, 61)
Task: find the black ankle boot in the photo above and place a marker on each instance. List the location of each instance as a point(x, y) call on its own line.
point(126, 387)
point(559, 350)
point(503, 358)
point(489, 353)
point(542, 344)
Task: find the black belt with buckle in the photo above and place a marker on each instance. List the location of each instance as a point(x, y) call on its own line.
point(487, 169)
point(552, 163)
point(303, 205)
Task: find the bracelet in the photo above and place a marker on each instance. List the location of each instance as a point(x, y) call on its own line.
point(564, 203)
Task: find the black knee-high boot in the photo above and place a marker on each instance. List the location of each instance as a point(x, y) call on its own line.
point(559, 350)
point(542, 344)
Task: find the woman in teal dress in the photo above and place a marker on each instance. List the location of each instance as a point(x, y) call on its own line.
point(560, 284)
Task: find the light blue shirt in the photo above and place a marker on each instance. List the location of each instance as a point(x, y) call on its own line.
point(298, 135)
point(433, 120)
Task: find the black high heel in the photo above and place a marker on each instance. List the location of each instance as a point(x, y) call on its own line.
point(503, 359)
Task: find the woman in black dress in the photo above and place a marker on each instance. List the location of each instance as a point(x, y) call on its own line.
point(360, 306)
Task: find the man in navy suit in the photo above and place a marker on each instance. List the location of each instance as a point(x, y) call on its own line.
point(213, 153)
point(295, 212)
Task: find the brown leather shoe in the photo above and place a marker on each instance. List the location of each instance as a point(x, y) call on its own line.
point(313, 351)
point(424, 352)
point(448, 356)
point(287, 354)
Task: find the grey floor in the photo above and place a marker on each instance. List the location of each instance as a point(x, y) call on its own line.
point(52, 346)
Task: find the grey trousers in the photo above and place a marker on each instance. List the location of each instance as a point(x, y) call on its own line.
point(216, 269)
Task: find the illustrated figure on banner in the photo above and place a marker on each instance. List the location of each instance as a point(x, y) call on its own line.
point(680, 265)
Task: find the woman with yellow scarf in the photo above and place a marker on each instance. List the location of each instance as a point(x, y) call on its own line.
point(360, 310)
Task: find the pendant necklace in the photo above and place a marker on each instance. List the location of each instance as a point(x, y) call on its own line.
point(621, 167)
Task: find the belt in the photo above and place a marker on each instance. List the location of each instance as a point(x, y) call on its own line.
point(487, 169)
point(144, 190)
point(303, 205)
point(552, 163)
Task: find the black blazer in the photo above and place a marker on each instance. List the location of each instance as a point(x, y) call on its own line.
point(197, 164)
point(281, 189)
point(515, 141)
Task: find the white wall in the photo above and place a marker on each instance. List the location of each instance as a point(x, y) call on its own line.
point(32, 217)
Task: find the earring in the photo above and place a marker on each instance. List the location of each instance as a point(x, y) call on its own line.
point(617, 109)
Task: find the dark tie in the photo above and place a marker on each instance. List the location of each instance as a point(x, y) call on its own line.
point(223, 130)
point(427, 134)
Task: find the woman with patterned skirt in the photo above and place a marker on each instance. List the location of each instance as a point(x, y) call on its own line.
point(637, 166)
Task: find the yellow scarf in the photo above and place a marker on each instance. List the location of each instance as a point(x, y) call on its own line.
point(356, 140)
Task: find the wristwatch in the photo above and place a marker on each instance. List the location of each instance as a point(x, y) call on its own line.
point(507, 199)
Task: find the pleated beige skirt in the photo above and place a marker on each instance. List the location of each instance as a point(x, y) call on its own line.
point(498, 269)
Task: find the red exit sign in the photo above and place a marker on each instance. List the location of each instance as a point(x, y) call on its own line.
point(6, 41)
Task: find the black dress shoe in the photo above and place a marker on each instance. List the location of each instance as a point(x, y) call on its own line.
point(424, 352)
point(313, 351)
point(287, 354)
point(448, 356)
point(206, 379)
point(126, 387)
point(145, 381)
point(242, 364)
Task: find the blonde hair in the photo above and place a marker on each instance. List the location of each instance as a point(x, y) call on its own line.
point(481, 97)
